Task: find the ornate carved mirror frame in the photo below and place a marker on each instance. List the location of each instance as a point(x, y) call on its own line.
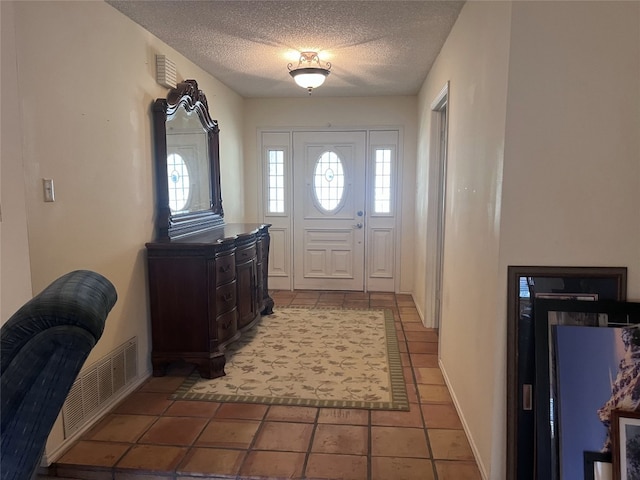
point(186, 96)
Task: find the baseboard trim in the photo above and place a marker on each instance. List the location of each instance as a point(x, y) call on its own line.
point(420, 312)
point(465, 426)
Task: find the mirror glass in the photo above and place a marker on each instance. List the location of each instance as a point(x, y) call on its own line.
point(187, 158)
point(188, 166)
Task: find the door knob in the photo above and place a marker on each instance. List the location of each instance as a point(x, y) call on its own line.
point(358, 225)
point(360, 213)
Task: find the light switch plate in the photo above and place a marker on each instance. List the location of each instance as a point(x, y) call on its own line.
point(49, 194)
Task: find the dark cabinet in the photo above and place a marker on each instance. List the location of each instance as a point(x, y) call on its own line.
point(246, 283)
point(204, 291)
point(207, 279)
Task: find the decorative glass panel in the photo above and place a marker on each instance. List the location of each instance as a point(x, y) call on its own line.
point(328, 181)
point(275, 191)
point(382, 181)
point(178, 183)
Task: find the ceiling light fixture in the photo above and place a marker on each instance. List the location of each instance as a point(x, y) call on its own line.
point(309, 73)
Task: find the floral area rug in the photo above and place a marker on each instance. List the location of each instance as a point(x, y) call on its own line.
point(337, 358)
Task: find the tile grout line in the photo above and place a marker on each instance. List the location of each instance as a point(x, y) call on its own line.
point(309, 448)
point(254, 439)
point(424, 423)
point(370, 448)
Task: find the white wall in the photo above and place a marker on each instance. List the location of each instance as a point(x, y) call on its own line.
point(474, 61)
point(15, 274)
point(86, 83)
point(572, 176)
point(544, 169)
point(334, 113)
point(571, 191)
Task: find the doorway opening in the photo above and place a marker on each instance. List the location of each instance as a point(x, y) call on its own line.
point(439, 138)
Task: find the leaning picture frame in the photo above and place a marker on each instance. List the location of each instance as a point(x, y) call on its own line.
point(625, 432)
point(597, 466)
point(561, 320)
point(619, 316)
point(586, 366)
point(609, 283)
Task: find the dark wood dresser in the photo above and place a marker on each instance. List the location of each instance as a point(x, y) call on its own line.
point(205, 290)
point(207, 279)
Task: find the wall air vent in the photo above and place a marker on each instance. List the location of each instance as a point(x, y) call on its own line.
point(98, 385)
point(166, 74)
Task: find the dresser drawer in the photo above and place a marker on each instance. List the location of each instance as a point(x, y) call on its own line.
point(225, 268)
point(245, 254)
point(227, 325)
point(226, 297)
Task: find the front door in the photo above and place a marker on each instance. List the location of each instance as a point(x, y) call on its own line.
point(328, 208)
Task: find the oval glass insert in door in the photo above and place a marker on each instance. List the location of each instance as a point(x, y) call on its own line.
point(328, 182)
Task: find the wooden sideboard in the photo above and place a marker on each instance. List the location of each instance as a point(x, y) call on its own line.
point(205, 290)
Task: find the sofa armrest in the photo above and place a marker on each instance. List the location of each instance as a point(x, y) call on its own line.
point(42, 349)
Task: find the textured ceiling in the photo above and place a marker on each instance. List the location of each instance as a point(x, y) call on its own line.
point(375, 47)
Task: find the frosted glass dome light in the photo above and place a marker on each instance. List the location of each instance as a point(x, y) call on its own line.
point(309, 73)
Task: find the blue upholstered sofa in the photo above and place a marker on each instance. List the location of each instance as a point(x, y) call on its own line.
point(42, 349)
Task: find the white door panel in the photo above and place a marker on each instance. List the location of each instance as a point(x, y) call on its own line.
point(328, 210)
point(277, 183)
point(278, 252)
point(381, 253)
point(329, 253)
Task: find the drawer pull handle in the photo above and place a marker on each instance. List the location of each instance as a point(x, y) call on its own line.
point(225, 269)
point(227, 296)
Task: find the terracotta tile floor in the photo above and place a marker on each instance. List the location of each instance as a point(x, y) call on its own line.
point(148, 436)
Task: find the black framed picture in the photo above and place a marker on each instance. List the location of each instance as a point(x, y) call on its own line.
point(575, 397)
point(597, 466)
point(525, 283)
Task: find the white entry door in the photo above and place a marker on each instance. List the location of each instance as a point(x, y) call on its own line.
point(329, 205)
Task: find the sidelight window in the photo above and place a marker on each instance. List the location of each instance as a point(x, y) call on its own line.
point(382, 181)
point(275, 190)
